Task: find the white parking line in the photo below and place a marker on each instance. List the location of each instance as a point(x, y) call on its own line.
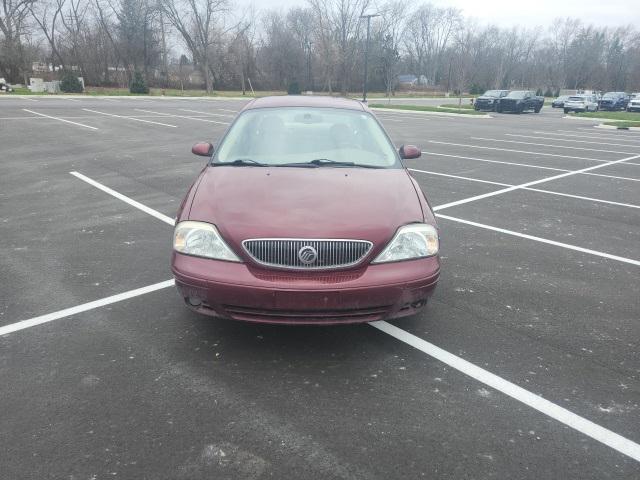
point(613, 176)
point(530, 165)
point(218, 100)
point(534, 182)
point(60, 119)
point(182, 116)
point(130, 118)
point(124, 198)
point(24, 117)
point(515, 151)
point(542, 240)
point(598, 433)
point(605, 436)
point(542, 405)
point(497, 161)
point(589, 149)
point(404, 118)
point(207, 113)
point(67, 312)
point(569, 139)
point(539, 190)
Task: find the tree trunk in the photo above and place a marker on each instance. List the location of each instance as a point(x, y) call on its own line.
point(207, 75)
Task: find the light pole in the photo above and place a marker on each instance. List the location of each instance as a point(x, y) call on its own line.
point(307, 45)
point(366, 53)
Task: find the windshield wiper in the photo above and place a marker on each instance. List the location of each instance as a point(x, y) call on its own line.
point(321, 162)
point(242, 162)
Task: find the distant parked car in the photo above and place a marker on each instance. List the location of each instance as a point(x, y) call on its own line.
point(559, 102)
point(614, 101)
point(489, 100)
point(634, 103)
point(581, 103)
point(5, 87)
point(519, 101)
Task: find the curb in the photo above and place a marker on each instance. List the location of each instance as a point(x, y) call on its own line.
point(612, 127)
point(422, 112)
point(594, 119)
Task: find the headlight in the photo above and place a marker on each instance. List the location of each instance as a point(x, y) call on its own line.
point(417, 240)
point(201, 240)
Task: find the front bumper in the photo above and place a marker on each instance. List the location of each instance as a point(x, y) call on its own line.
point(243, 292)
point(485, 105)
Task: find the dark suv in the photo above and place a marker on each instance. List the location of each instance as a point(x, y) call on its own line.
point(614, 101)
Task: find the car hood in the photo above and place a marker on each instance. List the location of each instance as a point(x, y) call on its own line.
point(325, 202)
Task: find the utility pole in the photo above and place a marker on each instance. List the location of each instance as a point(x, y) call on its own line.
point(366, 53)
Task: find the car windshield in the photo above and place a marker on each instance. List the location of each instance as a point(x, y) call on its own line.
point(517, 94)
point(303, 136)
point(493, 93)
point(577, 99)
point(611, 95)
point(562, 97)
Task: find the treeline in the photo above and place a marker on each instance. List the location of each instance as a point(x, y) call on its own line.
point(318, 46)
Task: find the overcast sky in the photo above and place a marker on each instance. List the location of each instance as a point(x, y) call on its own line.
point(532, 13)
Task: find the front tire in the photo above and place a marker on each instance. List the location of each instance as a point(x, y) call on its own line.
point(537, 109)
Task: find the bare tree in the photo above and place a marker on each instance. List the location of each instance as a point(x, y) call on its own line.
point(390, 34)
point(340, 20)
point(195, 20)
point(47, 16)
point(13, 16)
point(428, 36)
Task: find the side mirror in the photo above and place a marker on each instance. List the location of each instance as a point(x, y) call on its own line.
point(409, 151)
point(204, 149)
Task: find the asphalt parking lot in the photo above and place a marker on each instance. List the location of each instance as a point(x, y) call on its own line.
point(524, 365)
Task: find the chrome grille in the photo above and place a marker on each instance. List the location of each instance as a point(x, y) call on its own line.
point(283, 252)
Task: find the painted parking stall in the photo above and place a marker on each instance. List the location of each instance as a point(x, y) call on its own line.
point(525, 356)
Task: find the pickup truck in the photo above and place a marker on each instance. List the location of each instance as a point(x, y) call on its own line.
point(614, 101)
point(489, 100)
point(519, 101)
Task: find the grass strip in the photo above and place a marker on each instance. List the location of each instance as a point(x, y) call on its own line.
point(425, 108)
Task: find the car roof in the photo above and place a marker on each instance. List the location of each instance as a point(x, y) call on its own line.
point(305, 101)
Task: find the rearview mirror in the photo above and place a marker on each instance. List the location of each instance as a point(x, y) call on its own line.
point(409, 151)
point(204, 149)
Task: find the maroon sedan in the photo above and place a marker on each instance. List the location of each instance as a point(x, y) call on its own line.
point(305, 214)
